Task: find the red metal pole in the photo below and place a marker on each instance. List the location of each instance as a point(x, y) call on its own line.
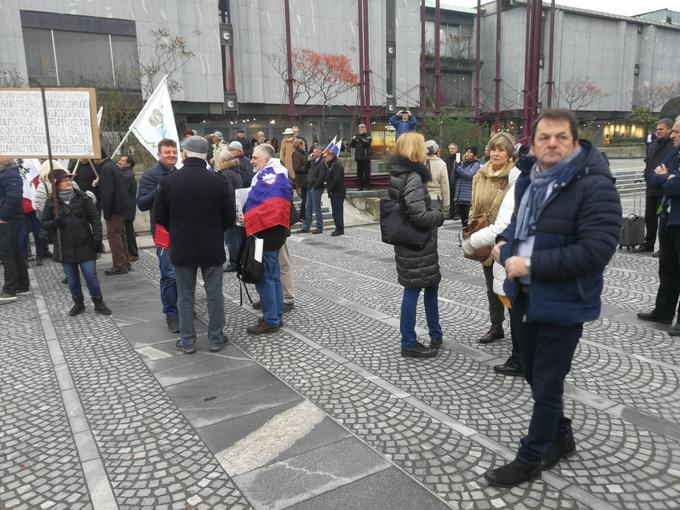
point(527, 57)
point(551, 50)
point(289, 61)
point(367, 71)
point(423, 88)
point(497, 80)
point(478, 63)
point(532, 89)
point(437, 59)
point(360, 33)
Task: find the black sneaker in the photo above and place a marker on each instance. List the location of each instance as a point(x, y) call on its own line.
point(185, 350)
point(76, 309)
point(100, 307)
point(559, 449)
point(173, 325)
point(418, 350)
point(21, 292)
point(217, 348)
point(513, 474)
point(6, 297)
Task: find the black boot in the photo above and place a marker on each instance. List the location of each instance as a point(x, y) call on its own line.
point(77, 308)
point(495, 333)
point(511, 367)
point(560, 449)
point(512, 474)
point(100, 307)
point(418, 350)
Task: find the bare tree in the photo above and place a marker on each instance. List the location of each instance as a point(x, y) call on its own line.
point(170, 53)
point(11, 79)
point(652, 97)
point(579, 93)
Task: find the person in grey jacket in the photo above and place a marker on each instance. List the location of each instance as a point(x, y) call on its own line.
point(416, 269)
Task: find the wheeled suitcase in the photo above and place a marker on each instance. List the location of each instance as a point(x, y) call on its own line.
point(633, 229)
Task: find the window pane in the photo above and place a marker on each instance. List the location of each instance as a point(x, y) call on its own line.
point(84, 59)
point(39, 57)
point(125, 62)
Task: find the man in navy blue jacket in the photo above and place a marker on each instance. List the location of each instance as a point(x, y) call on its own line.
point(148, 185)
point(11, 219)
point(666, 179)
point(564, 231)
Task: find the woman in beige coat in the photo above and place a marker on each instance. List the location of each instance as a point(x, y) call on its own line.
point(489, 186)
point(438, 187)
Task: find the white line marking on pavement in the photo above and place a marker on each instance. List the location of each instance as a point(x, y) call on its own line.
point(271, 439)
point(153, 354)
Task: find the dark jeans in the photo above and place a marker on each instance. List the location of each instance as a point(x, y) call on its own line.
point(545, 351)
point(669, 272)
point(651, 220)
point(30, 224)
point(16, 273)
point(269, 289)
point(302, 213)
point(463, 210)
point(337, 207)
point(89, 270)
point(364, 173)
point(496, 308)
point(131, 239)
point(233, 238)
point(168, 284)
point(407, 319)
point(313, 207)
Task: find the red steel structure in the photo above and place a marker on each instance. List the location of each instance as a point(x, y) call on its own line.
point(437, 59)
point(289, 63)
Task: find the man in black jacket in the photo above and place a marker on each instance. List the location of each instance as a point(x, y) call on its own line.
point(452, 162)
point(316, 180)
point(127, 169)
point(196, 206)
point(361, 143)
point(658, 152)
point(11, 218)
point(335, 183)
point(115, 201)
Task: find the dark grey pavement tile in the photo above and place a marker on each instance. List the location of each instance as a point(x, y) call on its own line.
point(246, 390)
point(297, 479)
point(150, 332)
point(390, 489)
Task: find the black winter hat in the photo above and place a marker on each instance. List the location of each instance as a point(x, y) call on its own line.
point(472, 148)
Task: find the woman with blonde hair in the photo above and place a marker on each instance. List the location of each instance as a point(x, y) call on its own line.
point(417, 269)
point(489, 186)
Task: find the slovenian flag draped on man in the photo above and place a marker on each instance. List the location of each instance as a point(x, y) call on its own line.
point(269, 199)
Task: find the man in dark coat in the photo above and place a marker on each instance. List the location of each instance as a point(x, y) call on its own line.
point(196, 206)
point(564, 231)
point(127, 169)
point(335, 184)
point(316, 180)
point(148, 185)
point(452, 162)
point(666, 178)
point(361, 143)
point(11, 219)
point(115, 203)
point(246, 146)
point(659, 150)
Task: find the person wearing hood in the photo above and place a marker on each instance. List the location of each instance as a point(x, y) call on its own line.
point(416, 269)
point(489, 186)
point(78, 242)
point(464, 174)
point(564, 231)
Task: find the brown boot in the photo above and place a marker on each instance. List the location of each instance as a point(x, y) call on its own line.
point(495, 333)
point(261, 328)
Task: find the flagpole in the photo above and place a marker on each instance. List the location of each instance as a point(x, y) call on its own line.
point(165, 77)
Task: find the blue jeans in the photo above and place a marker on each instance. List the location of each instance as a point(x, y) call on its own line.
point(30, 224)
point(338, 209)
point(233, 239)
point(89, 270)
point(313, 206)
point(186, 291)
point(407, 321)
point(168, 284)
point(269, 289)
point(545, 351)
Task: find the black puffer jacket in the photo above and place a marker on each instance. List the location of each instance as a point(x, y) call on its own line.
point(81, 230)
point(416, 268)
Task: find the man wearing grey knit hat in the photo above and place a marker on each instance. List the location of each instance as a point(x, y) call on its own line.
point(196, 206)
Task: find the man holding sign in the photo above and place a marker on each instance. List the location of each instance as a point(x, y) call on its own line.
point(11, 218)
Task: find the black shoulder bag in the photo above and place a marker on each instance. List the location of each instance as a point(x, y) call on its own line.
point(395, 227)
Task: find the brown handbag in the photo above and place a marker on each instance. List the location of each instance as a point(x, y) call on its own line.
point(478, 222)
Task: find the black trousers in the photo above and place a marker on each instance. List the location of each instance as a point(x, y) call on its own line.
point(131, 238)
point(651, 220)
point(496, 308)
point(545, 351)
point(337, 208)
point(16, 273)
point(364, 173)
point(669, 272)
point(303, 203)
point(463, 211)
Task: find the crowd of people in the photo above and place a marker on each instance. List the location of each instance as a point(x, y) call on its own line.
point(543, 218)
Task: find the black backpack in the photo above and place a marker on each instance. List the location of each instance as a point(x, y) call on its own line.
point(249, 270)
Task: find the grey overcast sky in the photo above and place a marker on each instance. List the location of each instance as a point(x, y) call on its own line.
point(623, 7)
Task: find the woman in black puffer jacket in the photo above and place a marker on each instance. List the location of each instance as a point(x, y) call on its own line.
point(81, 238)
point(417, 269)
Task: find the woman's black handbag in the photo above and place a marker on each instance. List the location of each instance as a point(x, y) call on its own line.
point(395, 227)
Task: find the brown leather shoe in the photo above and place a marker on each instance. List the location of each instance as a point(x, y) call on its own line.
point(261, 328)
point(495, 333)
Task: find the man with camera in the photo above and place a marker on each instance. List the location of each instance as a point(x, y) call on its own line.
point(403, 121)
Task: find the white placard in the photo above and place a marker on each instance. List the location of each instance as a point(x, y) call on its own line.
point(72, 123)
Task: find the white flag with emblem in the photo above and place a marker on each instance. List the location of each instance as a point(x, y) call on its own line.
point(156, 120)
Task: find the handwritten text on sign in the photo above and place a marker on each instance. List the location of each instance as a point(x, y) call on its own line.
point(22, 124)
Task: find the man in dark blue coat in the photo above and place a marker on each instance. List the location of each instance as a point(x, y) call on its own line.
point(564, 231)
point(666, 179)
point(148, 184)
point(11, 219)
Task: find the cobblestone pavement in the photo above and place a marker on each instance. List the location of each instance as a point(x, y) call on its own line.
point(325, 413)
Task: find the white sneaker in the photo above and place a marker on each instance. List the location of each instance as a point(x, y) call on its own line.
point(6, 298)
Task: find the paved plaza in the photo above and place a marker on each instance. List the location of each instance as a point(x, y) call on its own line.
point(103, 412)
